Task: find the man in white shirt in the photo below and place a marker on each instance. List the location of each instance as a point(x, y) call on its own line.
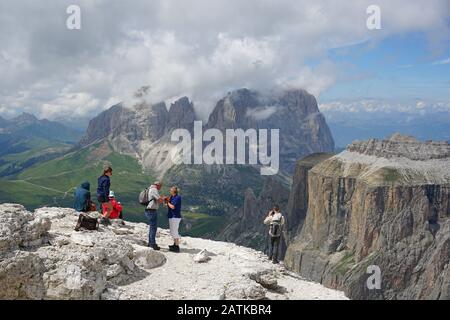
point(275, 220)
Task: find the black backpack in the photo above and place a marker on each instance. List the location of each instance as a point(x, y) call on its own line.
point(86, 222)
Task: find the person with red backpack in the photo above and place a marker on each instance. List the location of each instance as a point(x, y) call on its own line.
point(116, 207)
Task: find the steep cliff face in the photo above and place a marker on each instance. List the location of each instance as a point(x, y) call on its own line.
point(371, 206)
point(295, 113)
point(144, 131)
point(246, 226)
point(298, 198)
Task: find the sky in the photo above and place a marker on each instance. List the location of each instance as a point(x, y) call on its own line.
point(203, 49)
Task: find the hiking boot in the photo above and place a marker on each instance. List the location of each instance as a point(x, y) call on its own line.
point(275, 262)
point(155, 247)
point(174, 248)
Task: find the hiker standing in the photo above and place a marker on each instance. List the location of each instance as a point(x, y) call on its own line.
point(151, 212)
point(174, 215)
point(116, 206)
point(275, 220)
point(82, 197)
point(104, 183)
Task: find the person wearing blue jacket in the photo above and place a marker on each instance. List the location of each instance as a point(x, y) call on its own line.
point(82, 197)
point(104, 184)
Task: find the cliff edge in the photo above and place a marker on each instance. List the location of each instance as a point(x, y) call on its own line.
point(384, 204)
point(42, 257)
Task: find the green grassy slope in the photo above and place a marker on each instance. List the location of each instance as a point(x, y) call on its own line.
point(53, 182)
point(21, 153)
point(208, 193)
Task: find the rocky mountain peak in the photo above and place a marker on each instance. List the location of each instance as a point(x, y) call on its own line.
point(25, 118)
point(181, 114)
point(104, 124)
point(133, 131)
point(398, 146)
point(398, 137)
point(295, 113)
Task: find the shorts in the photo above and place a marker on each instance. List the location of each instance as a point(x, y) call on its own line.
point(174, 224)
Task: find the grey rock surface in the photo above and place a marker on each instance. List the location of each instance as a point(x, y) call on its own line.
point(42, 257)
point(364, 211)
point(135, 129)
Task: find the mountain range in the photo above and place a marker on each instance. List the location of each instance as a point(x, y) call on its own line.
point(26, 140)
point(135, 140)
point(379, 203)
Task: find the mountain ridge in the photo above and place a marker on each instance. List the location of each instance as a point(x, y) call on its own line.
point(377, 209)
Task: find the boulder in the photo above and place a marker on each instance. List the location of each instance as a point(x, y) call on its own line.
point(59, 241)
point(21, 276)
point(147, 258)
point(267, 279)
point(244, 290)
point(202, 256)
point(19, 228)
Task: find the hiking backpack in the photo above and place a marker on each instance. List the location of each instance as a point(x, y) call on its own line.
point(275, 229)
point(143, 197)
point(86, 222)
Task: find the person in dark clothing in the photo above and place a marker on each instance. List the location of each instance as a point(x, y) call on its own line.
point(82, 197)
point(104, 183)
point(275, 220)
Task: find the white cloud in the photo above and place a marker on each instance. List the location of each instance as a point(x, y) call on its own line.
point(262, 113)
point(384, 106)
point(199, 48)
point(440, 62)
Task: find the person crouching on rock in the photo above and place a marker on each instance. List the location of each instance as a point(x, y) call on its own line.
point(275, 220)
point(151, 212)
point(116, 206)
point(82, 197)
point(174, 214)
point(104, 183)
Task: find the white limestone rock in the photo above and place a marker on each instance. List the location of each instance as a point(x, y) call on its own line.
point(64, 264)
point(82, 239)
point(147, 258)
point(202, 257)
